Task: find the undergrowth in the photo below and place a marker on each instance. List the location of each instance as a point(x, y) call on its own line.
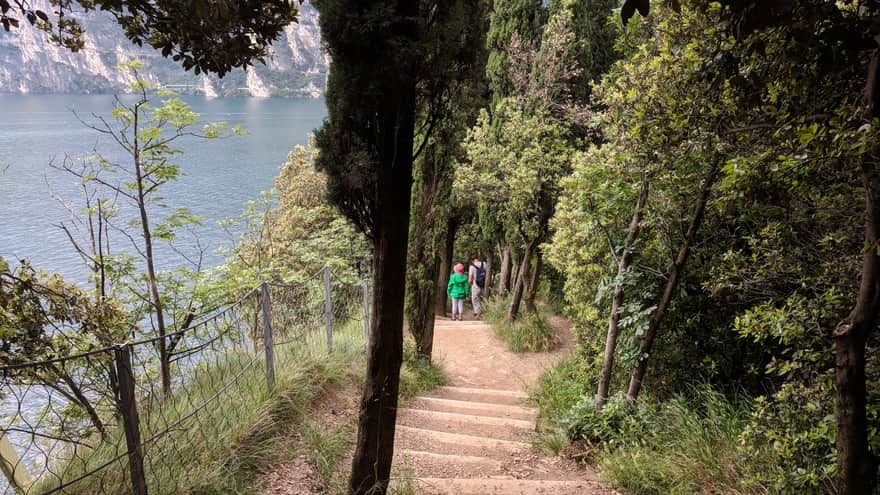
point(246, 441)
point(688, 444)
point(531, 332)
point(284, 419)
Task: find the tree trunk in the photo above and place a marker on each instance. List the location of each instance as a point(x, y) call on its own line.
point(623, 262)
point(504, 276)
point(647, 340)
point(488, 288)
point(76, 396)
point(423, 262)
point(445, 267)
point(515, 261)
point(164, 358)
point(533, 284)
point(371, 466)
point(856, 465)
point(519, 287)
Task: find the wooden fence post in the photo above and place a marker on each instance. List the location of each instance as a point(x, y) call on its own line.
point(131, 422)
point(11, 465)
point(367, 312)
point(328, 308)
point(268, 338)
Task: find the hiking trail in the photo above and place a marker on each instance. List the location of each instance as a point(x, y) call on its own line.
point(472, 436)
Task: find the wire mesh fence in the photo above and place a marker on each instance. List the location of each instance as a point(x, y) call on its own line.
point(104, 422)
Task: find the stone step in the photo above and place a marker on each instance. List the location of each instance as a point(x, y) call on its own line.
point(467, 424)
point(483, 395)
point(418, 463)
point(440, 442)
point(506, 486)
point(476, 408)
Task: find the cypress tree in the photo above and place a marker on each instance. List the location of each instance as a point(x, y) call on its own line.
point(366, 146)
point(394, 63)
point(525, 17)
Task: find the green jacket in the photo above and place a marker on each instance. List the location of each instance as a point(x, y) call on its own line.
point(458, 286)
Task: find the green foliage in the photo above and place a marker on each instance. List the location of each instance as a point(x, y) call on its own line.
point(793, 427)
point(793, 430)
point(43, 316)
point(326, 446)
point(509, 17)
point(686, 445)
point(617, 423)
point(595, 33)
point(778, 255)
point(292, 231)
point(240, 441)
point(516, 173)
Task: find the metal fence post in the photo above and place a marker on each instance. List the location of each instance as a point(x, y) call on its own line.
point(367, 311)
point(328, 308)
point(11, 465)
point(268, 339)
point(131, 423)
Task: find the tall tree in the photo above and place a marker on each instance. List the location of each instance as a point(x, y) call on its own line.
point(366, 148)
point(146, 133)
point(448, 98)
point(595, 34)
point(383, 51)
point(623, 259)
point(509, 17)
point(517, 175)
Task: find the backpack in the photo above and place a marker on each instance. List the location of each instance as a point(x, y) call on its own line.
point(480, 279)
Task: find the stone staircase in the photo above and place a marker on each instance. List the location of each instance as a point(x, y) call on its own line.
point(474, 441)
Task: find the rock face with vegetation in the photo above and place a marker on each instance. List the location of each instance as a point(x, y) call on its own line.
point(296, 65)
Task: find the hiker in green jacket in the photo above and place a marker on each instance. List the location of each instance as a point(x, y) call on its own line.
point(458, 289)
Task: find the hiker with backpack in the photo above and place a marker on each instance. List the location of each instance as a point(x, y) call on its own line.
point(477, 280)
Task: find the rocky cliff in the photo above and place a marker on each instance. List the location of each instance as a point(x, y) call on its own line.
point(29, 63)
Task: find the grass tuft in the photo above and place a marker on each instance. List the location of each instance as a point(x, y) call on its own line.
point(419, 376)
point(405, 484)
point(532, 332)
point(551, 441)
point(327, 447)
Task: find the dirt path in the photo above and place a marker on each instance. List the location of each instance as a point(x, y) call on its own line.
point(471, 437)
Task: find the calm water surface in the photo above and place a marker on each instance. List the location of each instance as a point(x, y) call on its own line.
point(221, 174)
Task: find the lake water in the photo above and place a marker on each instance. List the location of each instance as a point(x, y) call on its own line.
point(221, 174)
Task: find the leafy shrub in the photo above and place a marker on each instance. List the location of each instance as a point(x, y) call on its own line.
point(795, 427)
point(618, 423)
point(686, 444)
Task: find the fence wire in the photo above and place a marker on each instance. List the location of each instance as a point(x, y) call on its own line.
point(71, 426)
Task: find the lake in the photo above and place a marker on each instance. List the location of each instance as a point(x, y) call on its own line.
point(221, 174)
